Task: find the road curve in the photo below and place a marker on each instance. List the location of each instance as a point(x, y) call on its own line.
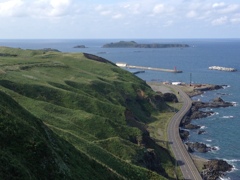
point(183, 159)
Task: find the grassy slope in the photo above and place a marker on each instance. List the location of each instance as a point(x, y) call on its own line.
point(64, 115)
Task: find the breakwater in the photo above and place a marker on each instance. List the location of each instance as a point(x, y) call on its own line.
point(124, 65)
point(219, 68)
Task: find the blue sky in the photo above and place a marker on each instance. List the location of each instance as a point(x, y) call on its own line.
point(119, 19)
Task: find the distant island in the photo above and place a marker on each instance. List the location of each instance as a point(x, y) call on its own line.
point(80, 46)
point(133, 44)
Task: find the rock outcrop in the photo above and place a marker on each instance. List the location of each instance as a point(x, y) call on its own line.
point(199, 147)
point(80, 46)
point(196, 113)
point(215, 168)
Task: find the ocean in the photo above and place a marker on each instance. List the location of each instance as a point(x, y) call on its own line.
point(222, 128)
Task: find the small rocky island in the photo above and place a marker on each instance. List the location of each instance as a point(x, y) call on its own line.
point(80, 46)
point(133, 44)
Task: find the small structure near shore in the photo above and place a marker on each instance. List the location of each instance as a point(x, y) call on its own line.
point(219, 68)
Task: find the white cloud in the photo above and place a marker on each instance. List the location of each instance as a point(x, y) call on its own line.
point(191, 14)
point(99, 7)
point(218, 5)
point(133, 8)
point(12, 8)
point(118, 16)
point(137, 14)
point(105, 12)
point(36, 8)
point(58, 7)
point(159, 8)
point(220, 21)
point(230, 9)
point(235, 19)
point(162, 9)
point(168, 23)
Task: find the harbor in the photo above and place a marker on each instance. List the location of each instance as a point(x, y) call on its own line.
point(125, 65)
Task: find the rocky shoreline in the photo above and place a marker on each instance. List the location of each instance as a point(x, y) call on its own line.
point(214, 168)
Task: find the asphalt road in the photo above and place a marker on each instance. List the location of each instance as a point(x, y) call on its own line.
point(183, 159)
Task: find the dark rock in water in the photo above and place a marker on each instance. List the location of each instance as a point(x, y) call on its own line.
point(191, 126)
point(79, 46)
point(200, 114)
point(195, 113)
point(216, 103)
point(215, 168)
point(199, 147)
point(201, 132)
point(218, 99)
point(214, 148)
point(170, 97)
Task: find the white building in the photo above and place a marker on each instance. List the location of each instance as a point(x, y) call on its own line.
point(121, 64)
point(176, 83)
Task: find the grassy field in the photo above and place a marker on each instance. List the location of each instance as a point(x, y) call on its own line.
point(65, 116)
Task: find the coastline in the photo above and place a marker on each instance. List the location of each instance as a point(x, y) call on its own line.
point(208, 168)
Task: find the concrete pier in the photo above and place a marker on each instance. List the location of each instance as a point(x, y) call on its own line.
point(125, 65)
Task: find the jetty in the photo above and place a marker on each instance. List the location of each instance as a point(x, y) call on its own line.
point(125, 65)
point(219, 68)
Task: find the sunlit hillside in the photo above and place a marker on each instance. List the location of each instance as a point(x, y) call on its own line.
point(76, 116)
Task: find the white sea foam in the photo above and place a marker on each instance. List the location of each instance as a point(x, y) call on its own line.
point(234, 103)
point(234, 168)
point(227, 86)
point(203, 127)
point(216, 113)
point(216, 148)
point(224, 178)
point(228, 117)
point(232, 160)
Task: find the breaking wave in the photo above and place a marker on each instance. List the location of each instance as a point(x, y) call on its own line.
point(228, 117)
point(226, 86)
point(208, 140)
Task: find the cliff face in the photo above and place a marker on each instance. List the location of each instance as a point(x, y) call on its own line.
point(65, 116)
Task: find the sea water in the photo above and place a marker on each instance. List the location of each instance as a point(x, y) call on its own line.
point(222, 128)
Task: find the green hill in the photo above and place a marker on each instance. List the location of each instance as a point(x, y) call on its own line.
point(76, 116)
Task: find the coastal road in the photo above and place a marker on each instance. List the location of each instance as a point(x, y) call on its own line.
point(183, 159)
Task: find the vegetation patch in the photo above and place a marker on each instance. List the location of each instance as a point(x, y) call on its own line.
point(65, 116)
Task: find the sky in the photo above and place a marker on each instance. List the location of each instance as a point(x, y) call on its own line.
point(103, 19)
